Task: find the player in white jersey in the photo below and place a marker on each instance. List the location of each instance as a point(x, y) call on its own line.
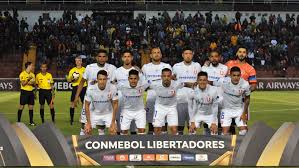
point(120, 77)
point(234, 89)
point(132, 108)
point(185, 71)
point(166, 102)
point(202, 105)
point(152, 71)
point(101, 103)
point(215, 71)
point(90, 75)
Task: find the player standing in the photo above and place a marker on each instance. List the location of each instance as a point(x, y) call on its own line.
point(234, 89)
point(101, 103)
point(27, 80)
point(185, 71)
point(203, 102)
point(120, 77)
point(75, 75)
point(152, 71)
point(44, 82)
point(90, 76)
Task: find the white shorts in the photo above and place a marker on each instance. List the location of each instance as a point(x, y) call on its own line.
point(128, 116)
point(200, 118)
point(162, 113)
point(227, 115)
point(104, 119)
point(83, 116)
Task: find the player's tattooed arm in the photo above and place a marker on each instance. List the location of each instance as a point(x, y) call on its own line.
point(190, 84)
point(244, 116)
point(88, 127)
point(113, 128)
point(253, 87)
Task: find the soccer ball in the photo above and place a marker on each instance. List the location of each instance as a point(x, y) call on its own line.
point(76, 76)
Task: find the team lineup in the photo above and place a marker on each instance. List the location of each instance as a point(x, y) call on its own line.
point(215, 96)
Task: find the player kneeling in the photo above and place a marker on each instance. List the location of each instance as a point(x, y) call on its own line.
point(202, 105)
point(101, 103)
point(234, 89)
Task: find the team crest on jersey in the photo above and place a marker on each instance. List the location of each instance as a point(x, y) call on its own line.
point(172, 92)
point(109, 95)
point(195, 72)
point(241, 91)
point(209, 99)
point(222, 73)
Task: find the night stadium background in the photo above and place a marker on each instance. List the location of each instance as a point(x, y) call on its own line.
point(56, 31)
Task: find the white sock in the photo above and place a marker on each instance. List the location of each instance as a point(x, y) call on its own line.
point(101, 131)
point(82, 132)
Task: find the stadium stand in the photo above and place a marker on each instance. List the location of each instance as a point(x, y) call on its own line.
point(273, 42)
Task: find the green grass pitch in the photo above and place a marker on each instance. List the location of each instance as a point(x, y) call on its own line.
point(272, 107)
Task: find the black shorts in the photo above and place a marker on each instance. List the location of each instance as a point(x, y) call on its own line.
point(26, 97)
point(44, 95)
point(82, 94)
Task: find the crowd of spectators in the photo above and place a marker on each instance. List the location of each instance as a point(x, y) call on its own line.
point(272, 42)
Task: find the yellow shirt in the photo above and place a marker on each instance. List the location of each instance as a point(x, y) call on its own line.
point(44, 81)
point(80, 71)
point(24, 76)
point(234, 40)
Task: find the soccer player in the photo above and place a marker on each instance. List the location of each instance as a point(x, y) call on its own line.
point(90, 76)
point(101, 103)
point(27, 80)
point(234, 89)
point(202, 104)
point(120, 77)
point(166, 102)
point(248, 73)
point(215, 71)
point(75, 75)
point(152, 71)
point(132, 107)
point(185, 71)
point(44, 82)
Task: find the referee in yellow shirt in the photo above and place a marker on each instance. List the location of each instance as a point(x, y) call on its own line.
point(27, 80)
point(75, 76)
point(44, 82)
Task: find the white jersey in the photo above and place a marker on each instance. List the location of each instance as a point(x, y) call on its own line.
point(203, 102)
point(233, 94)
point(92, 70)
point(166, 96)
point(215, 73)
point(153, 72)
point(185, 73)
point(101, 100)
point(121, 75)
point(132, 98)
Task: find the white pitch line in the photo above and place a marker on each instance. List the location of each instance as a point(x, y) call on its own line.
point(257, 111)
